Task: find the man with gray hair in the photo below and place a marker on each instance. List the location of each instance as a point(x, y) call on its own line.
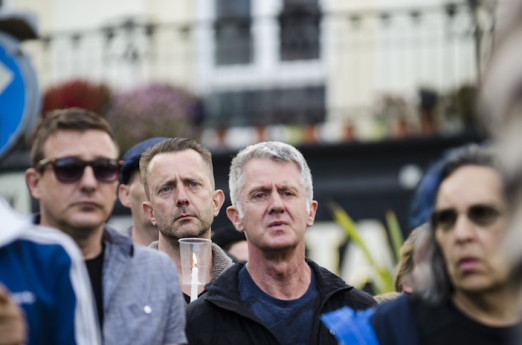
point(278, 295)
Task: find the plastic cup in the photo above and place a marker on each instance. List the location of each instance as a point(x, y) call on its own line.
point(195, 255)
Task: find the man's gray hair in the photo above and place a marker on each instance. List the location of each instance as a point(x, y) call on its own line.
point(274, 150)
point(436, 285)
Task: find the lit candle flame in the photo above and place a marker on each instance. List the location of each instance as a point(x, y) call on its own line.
point(194, 260)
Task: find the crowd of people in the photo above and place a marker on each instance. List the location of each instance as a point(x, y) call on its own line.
point(68, 277)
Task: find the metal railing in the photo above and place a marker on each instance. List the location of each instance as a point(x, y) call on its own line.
point(366, 58)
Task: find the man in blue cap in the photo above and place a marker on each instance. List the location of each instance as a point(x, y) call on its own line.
point(132, 194)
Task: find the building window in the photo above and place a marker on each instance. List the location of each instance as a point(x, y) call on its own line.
point(300, 105)
point(233, 32)
point(299, 30)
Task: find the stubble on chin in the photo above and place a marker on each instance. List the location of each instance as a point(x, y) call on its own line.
point(184, 229)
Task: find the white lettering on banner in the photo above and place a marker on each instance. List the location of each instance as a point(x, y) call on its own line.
point(356, 270)
point(323, 240)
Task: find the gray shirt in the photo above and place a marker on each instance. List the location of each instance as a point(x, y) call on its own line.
point(138, 306)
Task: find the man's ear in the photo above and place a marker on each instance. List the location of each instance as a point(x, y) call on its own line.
point(219, 199)
point(149, 212)
point(123, 195)
point(32, 180)
point(233, 215)
point(311, 214)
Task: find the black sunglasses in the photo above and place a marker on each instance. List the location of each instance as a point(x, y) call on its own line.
point(70, 169)
point(482, 215)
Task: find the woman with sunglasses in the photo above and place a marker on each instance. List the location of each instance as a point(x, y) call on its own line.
point(467, 296)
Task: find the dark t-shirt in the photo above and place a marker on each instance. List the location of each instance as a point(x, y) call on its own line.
point(446, 324)
point(289, 320)
point(94, 267)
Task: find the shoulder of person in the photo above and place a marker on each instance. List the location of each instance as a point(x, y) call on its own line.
point(46, 242)
point(220, 317)
point(398, 306)
point(202, 315)
point(329, 282)
point(197, 309)
point(155, 265)
point(153, 255)
point(361, 299)
point(155, 261)
point(394, 321)
point(18, 227)
point(222, 291)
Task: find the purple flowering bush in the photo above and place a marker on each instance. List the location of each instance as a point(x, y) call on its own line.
point(154, 110)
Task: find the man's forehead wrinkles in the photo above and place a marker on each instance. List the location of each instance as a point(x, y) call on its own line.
point(169, 181)
point(270, 186)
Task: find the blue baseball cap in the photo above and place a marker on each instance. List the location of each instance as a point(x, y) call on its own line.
point(131, 159)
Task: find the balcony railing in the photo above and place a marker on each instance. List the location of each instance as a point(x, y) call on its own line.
point(379, 64)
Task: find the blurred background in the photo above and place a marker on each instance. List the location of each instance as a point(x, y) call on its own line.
point(370, 91)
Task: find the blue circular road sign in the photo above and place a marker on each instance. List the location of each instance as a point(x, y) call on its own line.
point(19, 93)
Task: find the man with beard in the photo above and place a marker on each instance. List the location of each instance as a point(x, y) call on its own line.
point(182, 200)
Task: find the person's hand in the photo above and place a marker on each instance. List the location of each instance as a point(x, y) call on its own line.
point(13, 327)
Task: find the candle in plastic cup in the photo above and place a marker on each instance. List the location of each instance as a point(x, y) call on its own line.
point(195, 255)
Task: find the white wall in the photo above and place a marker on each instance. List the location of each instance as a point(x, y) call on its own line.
point(61, 62)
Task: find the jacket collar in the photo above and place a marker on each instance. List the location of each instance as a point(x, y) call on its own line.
point(327, 282)
point(220, 261)
point(118, 240)
point(118, 251)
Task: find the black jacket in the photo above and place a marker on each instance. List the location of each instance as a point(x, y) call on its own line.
point(220, 318)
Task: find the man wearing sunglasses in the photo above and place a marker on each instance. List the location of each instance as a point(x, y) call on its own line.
point(467, 297)
point(74, 176)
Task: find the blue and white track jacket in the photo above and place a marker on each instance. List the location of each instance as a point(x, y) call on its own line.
point(45, 274)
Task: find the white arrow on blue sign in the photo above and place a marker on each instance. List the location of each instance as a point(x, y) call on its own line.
point(19, 93)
